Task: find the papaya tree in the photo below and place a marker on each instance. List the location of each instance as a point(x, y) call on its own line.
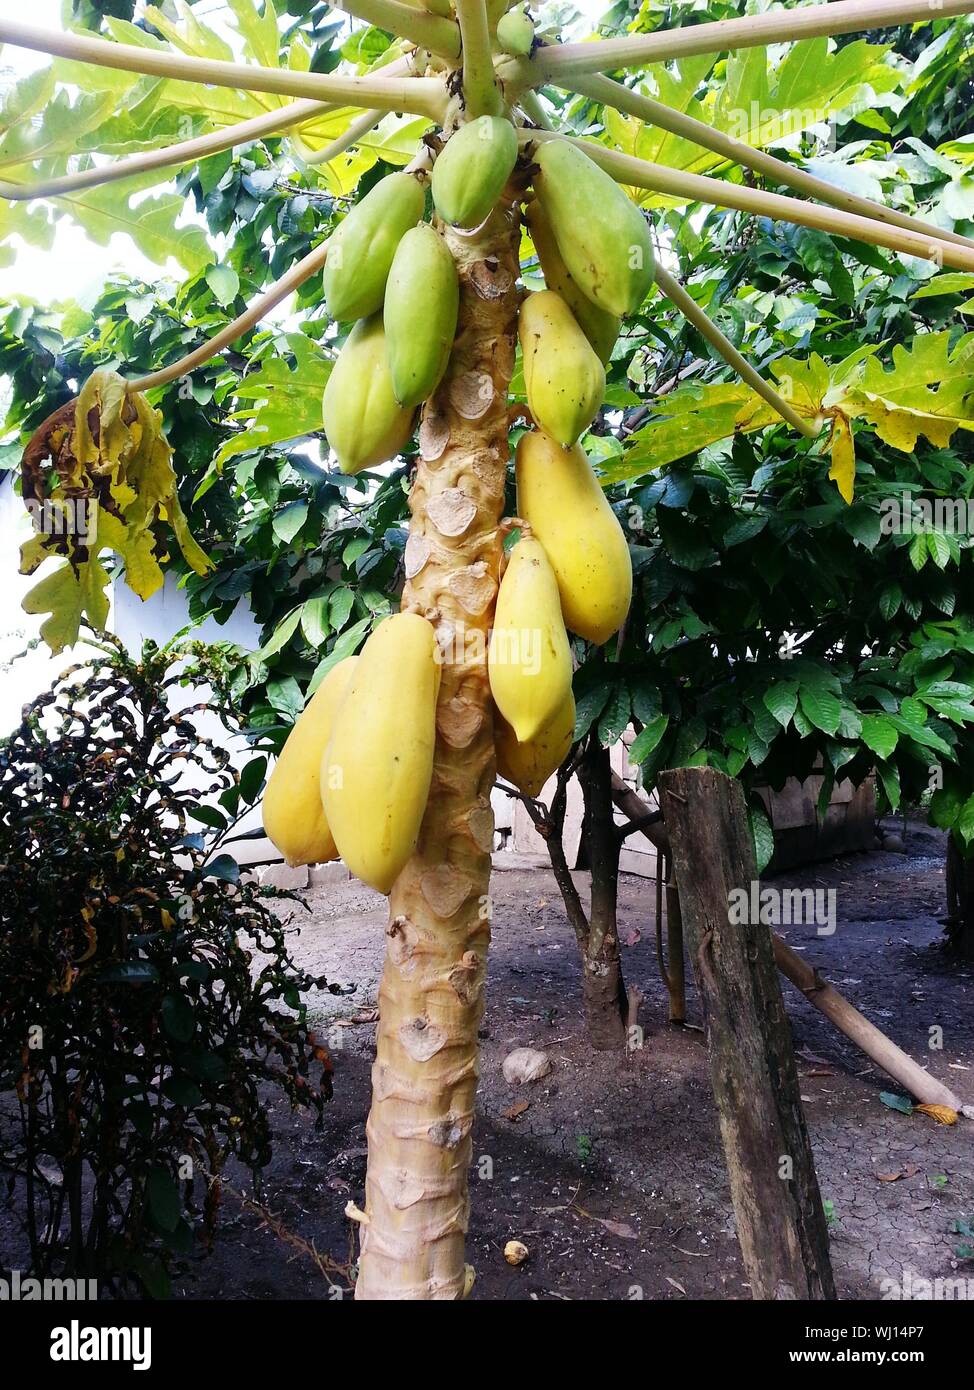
point(408, 762)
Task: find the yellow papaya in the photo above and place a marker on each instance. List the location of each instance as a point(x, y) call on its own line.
point(360, 252)
point(471, 170)
point(420, 314)
point(529, 662)
point(528, 765)
point(515, 33)
point(603, 238)
point(294, 817)
point(377, 767)
point(364, 423)
point(560, 496)
point(599, 327)
point(564, 378)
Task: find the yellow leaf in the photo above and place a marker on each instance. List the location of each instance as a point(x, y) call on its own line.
point(843, 470)
point(943, 1114)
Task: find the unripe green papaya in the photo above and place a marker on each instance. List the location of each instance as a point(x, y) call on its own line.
point(603, 238)
point(361, 250)
point(515, 33)
point(364, 423)
point(599, 327)
point(471, 170)
point(564, 378)
point(420, 314)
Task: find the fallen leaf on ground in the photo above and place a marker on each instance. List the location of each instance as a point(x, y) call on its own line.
point(909, 1171)
point(676, 1284)
point(631, 936)
point(943, 1114)
point(517, 1109)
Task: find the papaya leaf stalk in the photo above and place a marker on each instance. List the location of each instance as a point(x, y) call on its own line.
point(698, 188)
point(412, 22)
point(424, 96)
point(480, 91)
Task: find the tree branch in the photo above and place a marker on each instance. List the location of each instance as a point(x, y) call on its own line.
point(725, 35)
point(611, 93)
point(425, 96)
point(704, 325)
point(184, 152)
point(415, 23)
point(480, 91)
point(290, 281)
point(641, 173)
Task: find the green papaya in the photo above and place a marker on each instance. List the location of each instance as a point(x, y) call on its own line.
point(564, 378)
point(420, 314)
point(361, 250)
point(602, 236)
point(515, 33)
point(599, 327)
point(471, 170)
point(364, 423)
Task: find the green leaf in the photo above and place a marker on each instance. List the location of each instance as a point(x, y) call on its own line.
point(782, 701)
point(252, 779)
point(821, 708)
point(614, 719)
point(762, 836)
point(648, 739)
point(281, 401)
point(282, 634)
point(314, 619)
point(879, 735)
point(896, 1102)
point(288, 522)
point(208, 815)
point(177, 1017)
point(162, 1196)
point(224, 281)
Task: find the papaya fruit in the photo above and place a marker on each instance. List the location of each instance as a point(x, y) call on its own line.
point(560, 496)
point(420, 314)
point(361, 250)
point(528, 765)
point(529, 663)
point(378, 765)
point(564, 378)
point(471, 170)
point(294, 817)
point(515, 33)
point(602, 236)
point(599, 327)
point(364, 423)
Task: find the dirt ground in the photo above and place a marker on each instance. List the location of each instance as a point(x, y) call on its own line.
point(613, 1174)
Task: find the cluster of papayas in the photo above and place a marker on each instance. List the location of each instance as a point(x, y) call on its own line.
point(354, 776)
point(394, 274)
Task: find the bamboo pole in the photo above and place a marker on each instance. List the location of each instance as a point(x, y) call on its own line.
point(642, 173)
point(302, 270)
point(480, 91)
point(611, 93)
point(727, 35)
point(411, 22)
point(691, 310)
point(849, 1021)
point(425, 96)
point(182, 153)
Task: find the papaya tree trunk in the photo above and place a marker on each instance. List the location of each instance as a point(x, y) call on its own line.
point(431, 997)
point(603, 989)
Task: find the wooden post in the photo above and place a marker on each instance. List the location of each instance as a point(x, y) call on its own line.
point(780, 1219)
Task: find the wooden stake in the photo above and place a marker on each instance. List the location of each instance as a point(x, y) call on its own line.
point(697, 188)
point(611, 93)
point(727, 35)
point(777, 1203)
point(426, 96)
point(691, 310)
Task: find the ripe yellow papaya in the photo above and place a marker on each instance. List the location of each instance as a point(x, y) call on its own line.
point(564, 378)
point(515, 33)
point(361, 250)
point(294, 817)
point(420, 314)
point(528, 661)
point(377, 767)
point(599, 327)
point(364, 423)
point(528, 765)
point(603, 238)
point(471, 170)
point(560, 496)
